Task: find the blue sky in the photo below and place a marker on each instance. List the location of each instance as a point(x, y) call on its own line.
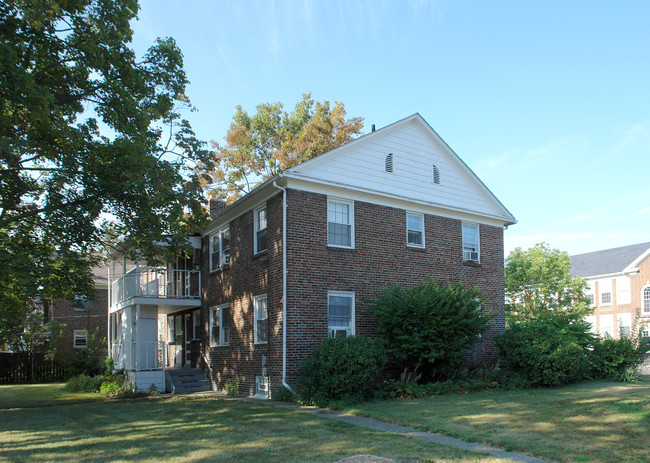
point(548, 102)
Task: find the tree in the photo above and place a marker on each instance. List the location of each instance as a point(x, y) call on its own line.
point(260, 146)
point(429, 328)
point(92, 145)
point(539, 283)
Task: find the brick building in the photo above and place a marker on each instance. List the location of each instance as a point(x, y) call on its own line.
point(83, 316)
point(295, 260)
point(619, 288)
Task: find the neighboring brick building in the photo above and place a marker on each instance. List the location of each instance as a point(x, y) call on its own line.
point(83, 316)
point(394, 206)
point(619, 288)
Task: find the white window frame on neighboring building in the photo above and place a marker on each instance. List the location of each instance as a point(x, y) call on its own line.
point(220, 249)
point(262, 386)
point(335, 218)
point(334, 324)
point(412, 219)
point(220, 319)
point(260, 227)
point(605, 290)
point(645, 300)
point(80, 339)
point(81, 303)
point(471, 249)
point(261, 319)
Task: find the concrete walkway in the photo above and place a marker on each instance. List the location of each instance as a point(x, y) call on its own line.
point(404, 431)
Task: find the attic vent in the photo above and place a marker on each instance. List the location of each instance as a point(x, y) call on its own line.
point(389, 163)
point(436, 175)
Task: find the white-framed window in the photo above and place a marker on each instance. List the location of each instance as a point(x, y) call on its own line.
point(591, 299)
point(260, 225)
point(624, 321)
point(196, 324)
point(471, 242)
point(262, 386)
point(645, 297)
point(606, 298)
point(645, 333)
point(340, 314)
point(414, 230)
point(340, 223)
point(171, 329)
point(220, 249)
point(80, 339)
point(261, 319)
point(220, 325)
point(81, 303)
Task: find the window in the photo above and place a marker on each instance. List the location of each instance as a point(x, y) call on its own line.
point(220, 249)
point(340, 314)
point(415, 230)
point(590, 298)
point(220, 326)
point(645, 333)
point(436, 175)
point(471, 251)
point(261, 316)
point(340, 223)
point(196, 325)
point(80, 339)
point(624, 321)
point(646, 299)
point(81, 303)
point(259, 219)
point(262, 386)
point(171, 330)
point(606, 298)
point(389, 163)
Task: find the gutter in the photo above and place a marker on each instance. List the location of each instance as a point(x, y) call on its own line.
point(284, 287)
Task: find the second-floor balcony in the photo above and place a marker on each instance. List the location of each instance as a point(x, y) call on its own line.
point(156, 283)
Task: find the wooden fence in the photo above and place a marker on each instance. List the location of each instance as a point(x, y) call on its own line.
point(25, 367)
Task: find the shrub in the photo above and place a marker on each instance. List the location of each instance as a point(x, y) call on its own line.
point(117, 386)
point(399, 390)
point(547, 351)
point(233, 386)
point(341, 369)
point(84, 383)
point(613, 358)
point(430, 327)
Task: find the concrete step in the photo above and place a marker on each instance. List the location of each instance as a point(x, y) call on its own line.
point(187, 380)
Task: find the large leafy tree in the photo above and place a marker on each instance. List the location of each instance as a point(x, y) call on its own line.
point(260, 146)
point(539, 284)
point(91, 144)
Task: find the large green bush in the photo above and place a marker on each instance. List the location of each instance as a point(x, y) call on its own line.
point(548, 351)
point(612, 358)
point(341, 369)
point(429, 328)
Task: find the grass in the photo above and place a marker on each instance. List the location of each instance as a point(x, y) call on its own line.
point(185, 428)
point(39, 395)
point(587, 422)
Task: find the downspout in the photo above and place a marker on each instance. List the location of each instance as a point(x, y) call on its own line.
point(284, 287)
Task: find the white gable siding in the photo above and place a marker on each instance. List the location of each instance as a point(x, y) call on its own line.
point(415, 152)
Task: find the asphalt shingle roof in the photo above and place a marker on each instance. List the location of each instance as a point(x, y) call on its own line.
point(606, 261)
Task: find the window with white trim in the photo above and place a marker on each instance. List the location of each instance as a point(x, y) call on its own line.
point(261, 319)
point(171, 329)
point(220, 325)
point(340, 223)
point(220, 249)
point(415, 230)
point(262, 386)
point(340, 314)
point(605, 289)
point(260, 226)
point(591, 299)
point(81, 303)
point(471, 243)
point(646, 299)
point(80, 339)
point(645, 333)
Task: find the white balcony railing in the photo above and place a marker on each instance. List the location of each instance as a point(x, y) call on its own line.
point(157, 283)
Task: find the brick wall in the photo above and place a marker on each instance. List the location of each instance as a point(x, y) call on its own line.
point(96, 317)
point(380, 259)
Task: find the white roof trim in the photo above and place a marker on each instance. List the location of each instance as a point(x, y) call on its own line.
point(635, 263)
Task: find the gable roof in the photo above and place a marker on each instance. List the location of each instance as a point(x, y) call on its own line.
point(416, 149)
point(609, 261)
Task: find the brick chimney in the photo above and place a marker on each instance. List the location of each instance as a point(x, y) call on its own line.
point(216, 206)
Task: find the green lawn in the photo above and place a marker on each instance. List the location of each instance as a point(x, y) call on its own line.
point(587, 422)
point(184, 428)
point(38, 395)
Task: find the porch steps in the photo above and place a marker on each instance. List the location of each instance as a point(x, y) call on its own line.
point(184, 381)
